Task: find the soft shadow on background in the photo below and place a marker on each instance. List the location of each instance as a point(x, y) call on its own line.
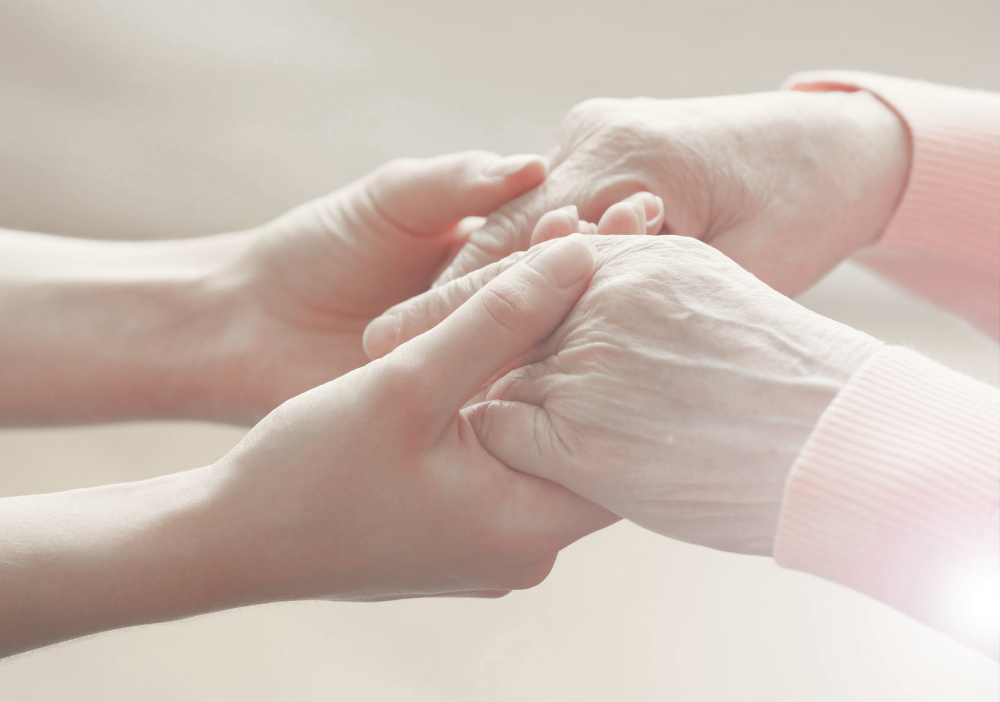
point(139, 119)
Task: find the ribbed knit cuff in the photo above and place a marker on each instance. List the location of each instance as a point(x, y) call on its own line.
point(897, 490)
point(944, 239)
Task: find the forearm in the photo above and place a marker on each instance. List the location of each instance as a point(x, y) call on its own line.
point(896, 495)
point(942, 241)
point(103, 331)
point(85, 561)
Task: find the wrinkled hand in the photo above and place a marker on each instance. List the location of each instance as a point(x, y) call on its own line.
point(677, 393)
point(306, 284)
point(374, 486)
point(787, 184)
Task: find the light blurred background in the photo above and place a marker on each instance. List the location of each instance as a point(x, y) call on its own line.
point(151, 119)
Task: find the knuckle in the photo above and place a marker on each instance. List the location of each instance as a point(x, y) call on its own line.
point(506, 307)
point(505, 231)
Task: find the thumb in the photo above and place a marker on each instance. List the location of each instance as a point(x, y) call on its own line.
point(502, 321)
point(519, 435)
point(427, 196)
point(413, 317)
point(522, 437)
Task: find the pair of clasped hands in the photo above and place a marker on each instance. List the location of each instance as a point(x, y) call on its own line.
point(451, 401)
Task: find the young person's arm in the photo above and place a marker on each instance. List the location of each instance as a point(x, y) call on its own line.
point(369, 487)
point(227, 327)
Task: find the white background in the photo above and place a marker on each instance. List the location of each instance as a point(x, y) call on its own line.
point(174, 118)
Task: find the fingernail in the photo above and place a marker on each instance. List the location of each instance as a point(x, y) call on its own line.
point(380, 336)
point(653, 206)
point(566, 261)
point(574, 215)
point(514, 164)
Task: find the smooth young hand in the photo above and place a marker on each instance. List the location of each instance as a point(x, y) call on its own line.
point(227, 327)
point(313, 279)
point(373, 486)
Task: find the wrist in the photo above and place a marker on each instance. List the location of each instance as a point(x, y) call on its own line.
point(877, 154)
point(84, 561)
point(836, 352)
point(107, 331)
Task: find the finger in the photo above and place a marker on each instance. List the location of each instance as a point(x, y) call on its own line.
point(519, 435)
point(530, 382)
point(654, 210)
point(556, 224)
point(427, 196)
point(411, 318)
point(522, 437)
point(639, 214)
point(507, 230)
point(503, 320)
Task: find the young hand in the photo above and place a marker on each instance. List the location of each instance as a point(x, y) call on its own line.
point(370, 487)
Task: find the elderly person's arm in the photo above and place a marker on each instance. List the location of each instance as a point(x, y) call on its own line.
point(943, 241)
point(790, 183)
point(786, 183)
point(687, 396)
point(369, 487)
point(894, 489)
point(227, 327)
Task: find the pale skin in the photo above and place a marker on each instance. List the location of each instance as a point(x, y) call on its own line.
point(315, 502)
point(369, 487)
point(229, 327)
point(677, 393)
point(682, 386)
point(787, 184)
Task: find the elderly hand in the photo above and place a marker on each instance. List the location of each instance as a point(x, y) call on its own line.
point(677, 393)
point(787, 184)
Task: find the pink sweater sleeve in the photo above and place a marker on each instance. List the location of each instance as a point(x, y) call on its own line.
point(943, 241)
point(897, 491)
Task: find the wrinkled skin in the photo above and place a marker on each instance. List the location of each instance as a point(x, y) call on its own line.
point(787, 184)
point(677, 393)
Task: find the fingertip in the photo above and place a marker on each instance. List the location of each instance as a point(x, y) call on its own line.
point(381, 336)
point(655, 215)
point(523, 167)
point(566, 262)
point(625, 218)
point(556, 224)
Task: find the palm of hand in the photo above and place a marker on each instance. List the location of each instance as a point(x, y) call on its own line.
point(317, 275)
